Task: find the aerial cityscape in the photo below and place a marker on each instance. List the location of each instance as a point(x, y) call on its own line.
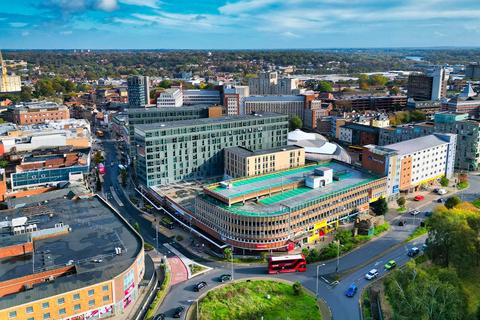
point(240, 160)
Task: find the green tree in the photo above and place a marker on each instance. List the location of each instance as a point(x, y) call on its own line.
point(295, 123)
point(401, 202)
point(297, 288)
point(377, 80)
point(26, 93)
point(325, 86)
point(123, 177)
point(136, 226)
point(98, 157)
point(452, 202)
point(228, 253)
point(379, 207)
point(363, 82)
point(3, 163)
point(444, 181)
point(417, 115)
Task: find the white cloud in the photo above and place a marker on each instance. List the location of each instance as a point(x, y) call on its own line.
point(144, 3)
point(18, 24)
point(107, 5)
point(244, 6)
point(25, 33)
point(66, 32)
point(289, 34)
point(129, 21)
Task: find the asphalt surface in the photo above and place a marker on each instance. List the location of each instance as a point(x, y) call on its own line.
point(352, 267)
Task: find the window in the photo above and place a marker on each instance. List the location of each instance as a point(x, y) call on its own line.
point(106, 298)
point(91, 292)
point(12, 314)
point(46, 316)
point(76, 307)
point(45, 305)
point(31, 318)
point(76, 296)
point(61, 301)
point(29, 310)
point(61, 311)
point(105, 288)
point(91, 303)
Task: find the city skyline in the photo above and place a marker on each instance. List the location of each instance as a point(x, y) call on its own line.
point(266, 24)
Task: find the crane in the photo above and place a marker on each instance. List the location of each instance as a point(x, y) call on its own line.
point(4, 84)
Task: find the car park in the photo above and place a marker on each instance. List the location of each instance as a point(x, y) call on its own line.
point(390, 264)
point(351, 290)
point(199, 286)
point(419, 198)
point(178, 312)
point(371, 274)
point(225, 277)
point(412, 252)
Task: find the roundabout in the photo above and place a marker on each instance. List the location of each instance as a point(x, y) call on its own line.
point(265, 298)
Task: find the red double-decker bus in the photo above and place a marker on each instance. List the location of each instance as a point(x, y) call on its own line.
point(290, 263)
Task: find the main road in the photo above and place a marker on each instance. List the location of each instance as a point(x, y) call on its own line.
point(351, 267)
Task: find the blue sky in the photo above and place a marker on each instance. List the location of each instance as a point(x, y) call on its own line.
point(236, 24)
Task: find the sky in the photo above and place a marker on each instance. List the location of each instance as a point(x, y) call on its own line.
point(237, 24)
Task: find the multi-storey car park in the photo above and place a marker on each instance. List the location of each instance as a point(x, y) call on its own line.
point(67, 255)
point(278, 210)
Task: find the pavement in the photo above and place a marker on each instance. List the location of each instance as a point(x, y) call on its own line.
point(352, 266)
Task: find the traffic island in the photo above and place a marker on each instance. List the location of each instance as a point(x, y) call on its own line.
point(265, 299)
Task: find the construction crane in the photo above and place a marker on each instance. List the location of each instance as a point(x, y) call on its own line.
point(4, 85)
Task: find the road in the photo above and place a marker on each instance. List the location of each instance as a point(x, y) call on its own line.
point(352, 266)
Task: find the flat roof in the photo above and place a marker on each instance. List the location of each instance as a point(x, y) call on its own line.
point(417, 144)
point(282, 202)
point(166, 109)
point(247, 152)
point(277, 98)
point(205, 121)
point(96, 230)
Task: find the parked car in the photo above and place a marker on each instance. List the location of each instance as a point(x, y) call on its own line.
point(390, 265)
point(199, 286)
point(178, 312)
point(225, 277)
point(441, 200)
point(428, 213)
point(159, 316)
point(351, 290)
point(412, 252)
point(414, 212)
point(401, 223)
point(371, 274)
point(441, 192)
point(419, 198)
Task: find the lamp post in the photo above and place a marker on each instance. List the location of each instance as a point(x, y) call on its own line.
point(232, 262)
point(318, 267)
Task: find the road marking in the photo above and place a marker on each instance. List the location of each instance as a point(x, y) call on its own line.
point(377, 263)
point(324, 279)
point(115, 196)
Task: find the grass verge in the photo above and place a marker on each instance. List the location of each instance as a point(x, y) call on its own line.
point(161, 293)
point(365, 300)
point(419, 231)
point(195, 268)
point(259, 299)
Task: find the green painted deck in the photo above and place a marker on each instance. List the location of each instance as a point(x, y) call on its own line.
point(284, 195)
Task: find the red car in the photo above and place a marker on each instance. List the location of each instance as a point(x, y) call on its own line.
point(419, 198)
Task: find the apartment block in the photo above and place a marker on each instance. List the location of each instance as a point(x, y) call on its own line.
point(284, 104)
point(412, 163)
point(36, 112)
point(138, 91)
point(192, 149)
point(242, 162)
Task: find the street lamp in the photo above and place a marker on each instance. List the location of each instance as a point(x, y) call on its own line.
point(318, 267)
point(232, 262)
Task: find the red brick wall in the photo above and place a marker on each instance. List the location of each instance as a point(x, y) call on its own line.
point(16, 250)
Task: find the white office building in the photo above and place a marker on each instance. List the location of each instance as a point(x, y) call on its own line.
point(284, 104)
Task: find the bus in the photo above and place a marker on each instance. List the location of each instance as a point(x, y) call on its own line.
point(289, 263)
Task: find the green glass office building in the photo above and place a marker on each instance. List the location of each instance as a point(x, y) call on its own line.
point(193, 149)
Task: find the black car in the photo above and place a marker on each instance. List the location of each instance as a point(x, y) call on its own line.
point(159, 316)
point(441, 200)
point(225, 277)
point(199, 286)
point(178, 312)
point(412, 252)
point(401, 223)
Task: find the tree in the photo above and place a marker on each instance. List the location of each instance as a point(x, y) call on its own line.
point(297, 288)
point(379, 207)
point(123, 177)
point(295, 123)
point(3, 163)
point(452, 202)
point(363, 82)
point(98, 157)
point(401, 202)
point(444, 181)
point(227, 253)
point(136, 226)
point(325, 86)
point(26, 93)
point(378, 80)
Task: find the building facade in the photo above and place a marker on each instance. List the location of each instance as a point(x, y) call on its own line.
point(193, 149)
point(138, 91)
point(472, 71)
point(299, 206)
point(430, 86)
point(358, 134)
point(37, 112)
point(241, 162)
point(286, 104)
point(390, 135)
point(410, 164)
